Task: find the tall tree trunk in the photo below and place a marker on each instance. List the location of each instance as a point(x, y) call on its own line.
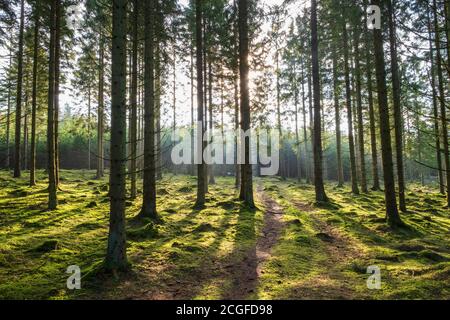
point(305, 131)
point(398, 123)
point(246, 169)
point(351, 141)
point(442, 101)
point(134, 93)
point(435, 111)
point(318, 174)
point(297, 128)
point(89, 126)
point(359, 109)
point(447, 32)
point(52, 186)
point(311, 122)
point(8, 114)
point(237, 182)
point(25, 131)
point(337, 116)
point(201, 169)
point(174, 97)
point(17, 171)
point(34, 97)
point(192, 111)
point(373, 135)
point(280, 131)
point(100, 111)
point(57, 85)
point(212, 180)
point(116, 257)
point(392, 214)
point(158, 88)
point(149, 198)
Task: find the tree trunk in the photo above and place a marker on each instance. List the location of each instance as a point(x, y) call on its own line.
point(351, 141)
point(442, 102)
point(100, 112)
point(17, 171)
point(392, 215)
point(359, 108)
point(158, 88)
point(212, 180)
point(340, 168)
point(201, 169)
point(52, 186)
point(305, 131)
point(373, 135)
point(149, 198)
point(398, 123)
point(192, 111)
point(116, 257)
point(89, 127)
point(237, 182)
point(435, 111)
point(318, 178)
point(246, 169)
point(297, 128)
point(57, 86)
point(134, 92)
point(8, 114)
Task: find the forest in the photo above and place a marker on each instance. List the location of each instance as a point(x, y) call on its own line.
point(224, 149)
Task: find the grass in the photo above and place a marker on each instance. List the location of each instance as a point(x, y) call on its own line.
point(323, 251)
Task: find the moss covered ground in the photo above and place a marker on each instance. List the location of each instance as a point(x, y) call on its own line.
point(288, 248)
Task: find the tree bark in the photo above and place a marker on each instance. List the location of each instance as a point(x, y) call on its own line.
point(373, 135)
point(57, 85)
point(442, 102)
point(201, 169)
point(34, 97)
point(398, 123)
point(318, 174)
point(305, 130)
point(392, 215)
point(116, 257)
point(435, 111)
point(340, 168)
point(100, 111)
point(134, 92)
point(246, 168)
point(351, 142)
point(359, 108)
point(149, 197)
point(8, 114)
point(17, 171)
point(52, 186)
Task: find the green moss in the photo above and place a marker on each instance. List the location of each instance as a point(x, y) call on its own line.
point(195, 252)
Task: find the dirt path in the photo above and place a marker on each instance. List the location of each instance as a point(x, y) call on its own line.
point(247, 272)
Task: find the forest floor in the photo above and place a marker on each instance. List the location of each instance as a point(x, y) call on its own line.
point(288, 248)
